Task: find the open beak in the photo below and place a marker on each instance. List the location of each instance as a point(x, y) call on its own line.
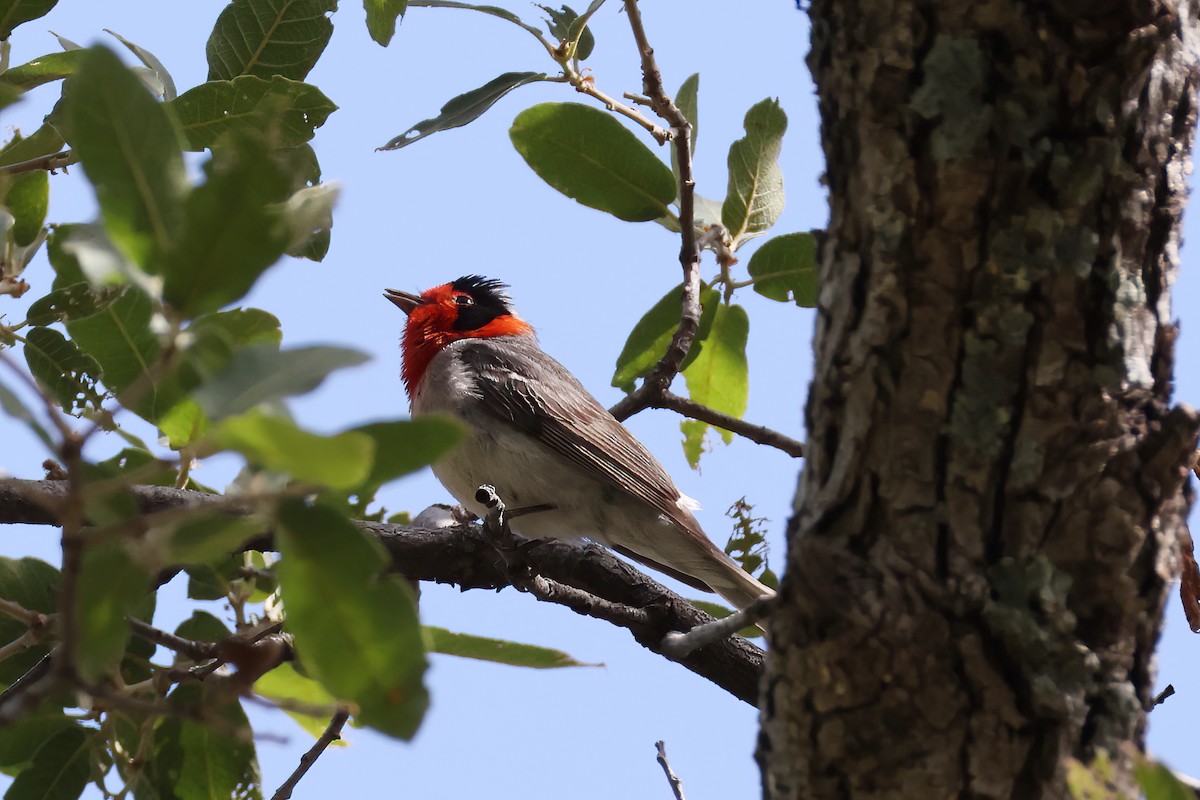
point(404, 301)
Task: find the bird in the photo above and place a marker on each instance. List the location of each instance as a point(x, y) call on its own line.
point(543, 441)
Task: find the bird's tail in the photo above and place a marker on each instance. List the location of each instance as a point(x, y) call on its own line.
point(736, 586)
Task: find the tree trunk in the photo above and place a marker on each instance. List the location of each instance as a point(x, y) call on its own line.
point(993, 500)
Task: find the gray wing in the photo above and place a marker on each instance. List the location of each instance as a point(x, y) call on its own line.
point(521, 385)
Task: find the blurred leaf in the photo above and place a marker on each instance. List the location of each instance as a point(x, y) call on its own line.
point(14, 407)
point(785, 268)
point(339, 604)
point(20, 740)
point(15, 12)
point(43, 69)
point(28, 199)
point(131, 153)
point(1158, 783)
point(207, 582)
point(465, 108)
point(693, 440)
point(341, 461)
point(755, 197)
point(33, 584)
point(231, 230)
point(203, 627)
point(516, 654)
point(268, 37)
point(687, 100)
point(559, 25)
point(58, 365)
point(406, 446)
point(197, 761)
point(309, 214)
point(205, 537)
point(60, 768)
point(291, 690)
point(45, 141)
point(285, 112)
point(70, 303)
point(110, 587)
point(589, 156)
point(650, 337)
point(719, 377)
point(152, 63)
point(261, 373)
point(381, 18)
point(239, 327)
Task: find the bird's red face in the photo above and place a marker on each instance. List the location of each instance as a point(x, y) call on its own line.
point(471, 307)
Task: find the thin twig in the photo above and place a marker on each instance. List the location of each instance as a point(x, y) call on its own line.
point(586, 84)
point(680, 645)
point(331, 735)
point(52, 162)
point(672, 778)
point(13, 609)
point(755, 433)
point(1162, 696)
point(19, 645)
point(667, 368)
point(196, 651)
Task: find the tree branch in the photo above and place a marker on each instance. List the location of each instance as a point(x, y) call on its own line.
point(672, 778)
point(464, 557)
point(755, 433)
point(659, 381)
point(52, 162)
point(331, 735)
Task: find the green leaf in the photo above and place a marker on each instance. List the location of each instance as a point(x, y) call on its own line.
point(406, 446)
point(239, 327)
point(206, 537)
point(57, 363)
point(197, 761)
point(341, 461)
point(61, 768)
point(493, 11)
point(20, 740)
point(1158, 783)
point(480, 648)
point(589, 156)
point(559, 24)
point(119, 338)
point(693, 440)
point(719, 377)
point(649, 339)
point(152, 63)
point(131, 153)
point(28, 199)
point(465, 108)
point(203, 627)
point(755, 197)
point(16, 408)
point(45, 141)
point(111, 585)
point(70, 303)
point(338, 603)
point(232, 231)
point(297, 694)
point(44, 69)
point(286, 112)
point(785, 268)
point(269, 37)
point(309, 215)
point(381, 18)
point(262, 373)
point(33, 584)
point(15, 12)
point(688, 102)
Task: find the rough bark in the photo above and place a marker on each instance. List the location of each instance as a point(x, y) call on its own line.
point(993, 496)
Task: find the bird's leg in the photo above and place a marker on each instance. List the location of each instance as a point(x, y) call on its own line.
point(495, 526)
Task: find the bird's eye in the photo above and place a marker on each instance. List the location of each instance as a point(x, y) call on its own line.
point(464, 300)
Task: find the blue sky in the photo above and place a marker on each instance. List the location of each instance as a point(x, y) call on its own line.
point(464, 202)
